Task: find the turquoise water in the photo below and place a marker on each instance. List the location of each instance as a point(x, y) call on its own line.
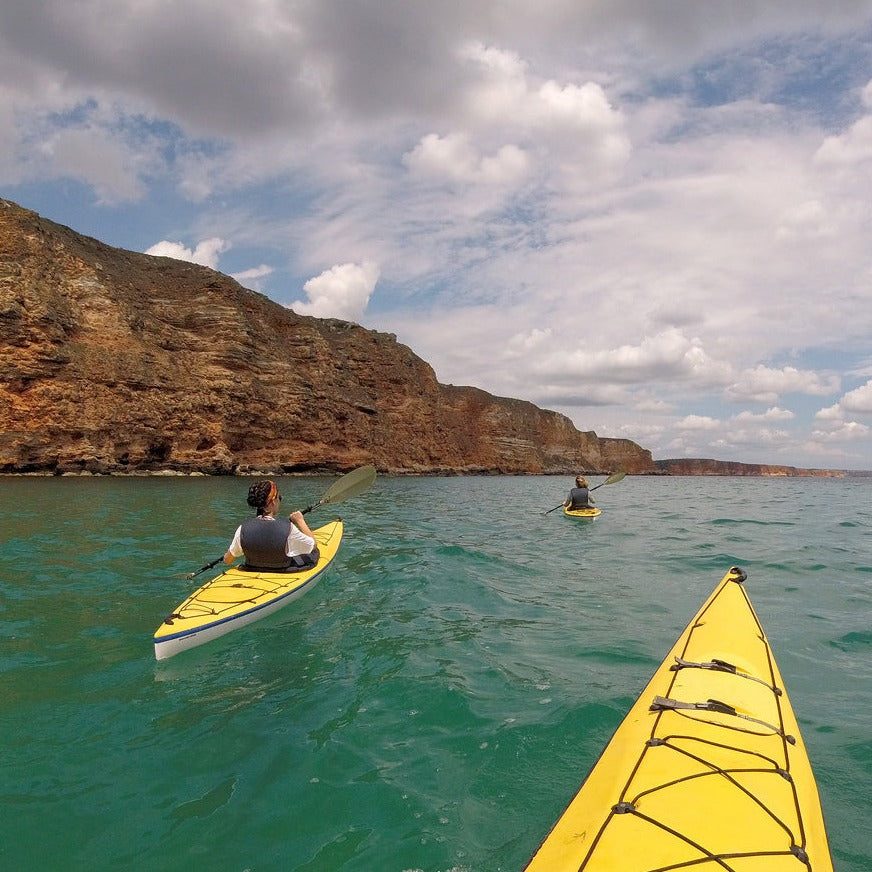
point(434, 703)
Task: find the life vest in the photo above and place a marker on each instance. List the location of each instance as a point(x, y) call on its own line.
point(578, 498)
point(264, 543)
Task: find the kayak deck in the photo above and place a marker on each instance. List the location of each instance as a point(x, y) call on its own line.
point(589, 513)
point(239, 597)
point(708, 769)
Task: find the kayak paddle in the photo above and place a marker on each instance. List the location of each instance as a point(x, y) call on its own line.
point(614, 478)
point(350, 485)
point(204, 568)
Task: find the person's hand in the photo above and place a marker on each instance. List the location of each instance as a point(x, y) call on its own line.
point(296, 517)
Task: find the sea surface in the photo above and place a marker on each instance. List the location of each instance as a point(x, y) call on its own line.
point(434, 703)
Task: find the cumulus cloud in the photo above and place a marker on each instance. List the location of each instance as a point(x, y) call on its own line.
point(571, 119)
point(848, 149)
point(856, 402)
point(763, 384)
point(859, 400)
point(206, 253)
point(698, 422)
point(667, 356)
point(830, 413)
point(342, 291)
point(849, 431)
point(455, 157)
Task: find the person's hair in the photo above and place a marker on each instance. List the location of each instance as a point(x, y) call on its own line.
point(580, 481)
point(259, 495)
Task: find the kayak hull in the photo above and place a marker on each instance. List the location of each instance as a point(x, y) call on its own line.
point(238, 597)
point(707, 771)
point(588, 514)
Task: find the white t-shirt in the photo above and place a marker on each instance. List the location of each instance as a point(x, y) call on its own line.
point(298, 542)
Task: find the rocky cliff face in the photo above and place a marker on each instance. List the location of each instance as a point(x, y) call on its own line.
point(698, 466)
point(116, 361)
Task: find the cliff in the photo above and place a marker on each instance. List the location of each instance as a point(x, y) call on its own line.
point(699, 466)
point(116, 361)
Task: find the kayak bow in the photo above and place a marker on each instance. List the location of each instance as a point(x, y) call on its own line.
point(708, 769)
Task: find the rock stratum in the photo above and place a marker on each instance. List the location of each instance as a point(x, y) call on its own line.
point(113, 361)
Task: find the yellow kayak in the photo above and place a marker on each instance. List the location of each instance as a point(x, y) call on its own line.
point(239, 597)
point(590, 512)
point(707, 771)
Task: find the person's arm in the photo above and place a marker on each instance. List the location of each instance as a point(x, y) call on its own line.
point(300, 523)
point(300, 535)
point(235, 549)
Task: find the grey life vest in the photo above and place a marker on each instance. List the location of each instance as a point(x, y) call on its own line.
point(264, 543)
point(578, 496)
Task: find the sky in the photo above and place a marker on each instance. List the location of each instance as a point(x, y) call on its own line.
point(652, 216)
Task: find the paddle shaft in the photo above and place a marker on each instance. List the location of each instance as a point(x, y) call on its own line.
point(204, 568)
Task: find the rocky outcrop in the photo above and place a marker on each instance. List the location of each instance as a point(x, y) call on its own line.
point(699, 466)
point(114, 361)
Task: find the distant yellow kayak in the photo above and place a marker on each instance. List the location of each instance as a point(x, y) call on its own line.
point(239, 597)
point(708, 770)
point(589, 513)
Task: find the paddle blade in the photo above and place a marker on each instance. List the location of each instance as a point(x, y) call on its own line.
point(350, 485)
point(612, 479)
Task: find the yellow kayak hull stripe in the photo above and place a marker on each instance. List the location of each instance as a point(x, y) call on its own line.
point(708, 769)
point(239, 597)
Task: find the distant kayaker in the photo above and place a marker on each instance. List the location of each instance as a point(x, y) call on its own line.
point(579, 497)
point(269, 542)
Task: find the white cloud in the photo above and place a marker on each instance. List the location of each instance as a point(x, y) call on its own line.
point(342, 291)
point(94, 157)
point(763, 384)
point(848, 431)
point(771, 414)
point(524, 343)
point(698, 422)
point(806, 222)
point(206, 252)
point(848, 149)
point(572, 123)
point(455, 157)
point(830, 413)
point(253, 275)
point(654, 405)
point(668, 355)
point(857, 402)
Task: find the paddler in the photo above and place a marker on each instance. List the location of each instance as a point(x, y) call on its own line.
point(277, 544)
point(579, 497)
